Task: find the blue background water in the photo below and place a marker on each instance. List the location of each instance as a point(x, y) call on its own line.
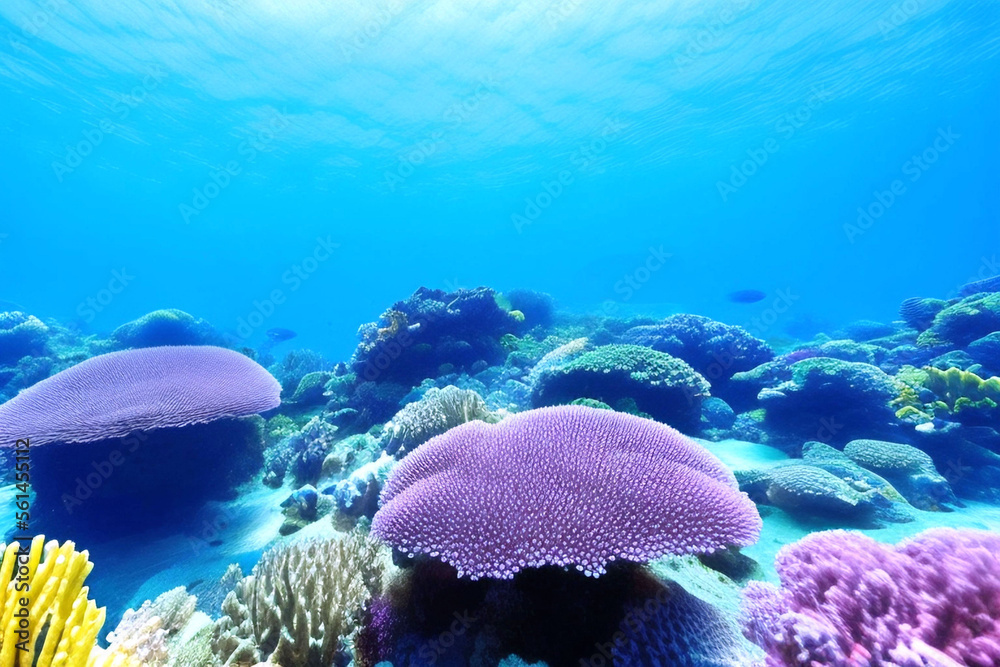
point(487, 102)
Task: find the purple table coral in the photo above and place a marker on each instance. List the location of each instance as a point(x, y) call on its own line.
point(564, 486)
point(113, 395)
point(849, 601)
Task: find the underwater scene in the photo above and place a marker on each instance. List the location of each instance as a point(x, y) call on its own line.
point(485, 333)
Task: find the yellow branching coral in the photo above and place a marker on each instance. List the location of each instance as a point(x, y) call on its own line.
point(47, 616)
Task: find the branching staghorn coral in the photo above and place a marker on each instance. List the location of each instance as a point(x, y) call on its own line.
point(302, 603)
point(44, 588)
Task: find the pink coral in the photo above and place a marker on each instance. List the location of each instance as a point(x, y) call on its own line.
point(115, 394)
point(567, 486)
point(849, 601)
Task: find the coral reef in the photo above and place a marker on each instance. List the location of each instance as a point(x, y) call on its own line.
point(960, 323)
point(357, 496)
point(991, 284)
point(295, 366)
point(661, 385)
point(547, 617)
point(141, 636)
point(565, 486)
point(847, 600)
point(864, 330)
point(165, 327)
point(908, 469)
point(115, 394)
point(810, 490)
point(714, 349)
point(432, 328)
point(962, 395)
point(919, 313)
point(538, 308)
point(826, 483)
point(21, 335)
point(302, 453)
point(831, 401)
point(557, 357)
point(676, 628)
point(301, 604)
point(986, 351)
point(311, 389)
point(436, 412)
point(305, 506)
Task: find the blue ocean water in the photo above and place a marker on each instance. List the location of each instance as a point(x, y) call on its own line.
point(414, 136)
point(287, 172)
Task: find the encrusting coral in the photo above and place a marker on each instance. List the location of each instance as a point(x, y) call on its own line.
point(302, 603)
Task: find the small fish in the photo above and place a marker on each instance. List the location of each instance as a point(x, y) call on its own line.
point(746, 296)
point(278, 334)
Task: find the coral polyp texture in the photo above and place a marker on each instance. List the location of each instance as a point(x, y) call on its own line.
point(48, 594)
point(568, 486)
point(113, 395)
point(714, 349)
point(656, 383)
point(165, 327)
point(846, 600)
point(435, 413)
point(300, 605)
